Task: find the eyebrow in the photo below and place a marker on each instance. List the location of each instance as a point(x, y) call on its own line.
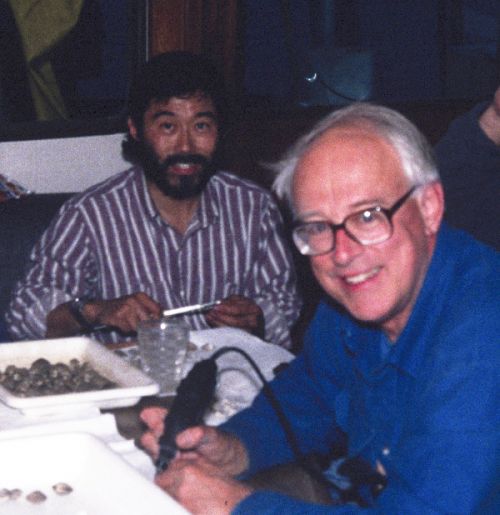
point(201, 114)
point(357, 206)
point(368, 203)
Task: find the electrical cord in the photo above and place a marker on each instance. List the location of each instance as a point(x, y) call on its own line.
point(195, 394)
point(273, 401)
point(299, 456)
point(315, 76)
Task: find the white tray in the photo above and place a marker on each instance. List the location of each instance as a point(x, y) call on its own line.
point(103, 483)
point(132, 382)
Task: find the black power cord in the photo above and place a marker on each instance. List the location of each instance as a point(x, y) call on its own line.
point(195, 394)
point(316, 77)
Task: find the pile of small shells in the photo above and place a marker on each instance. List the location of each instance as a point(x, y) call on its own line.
point(36, 496)
point(45, 378)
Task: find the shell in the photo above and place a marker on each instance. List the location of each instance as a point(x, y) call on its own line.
point(36, 497)
point(62, 488)
point(15, 494)
point(44, 378)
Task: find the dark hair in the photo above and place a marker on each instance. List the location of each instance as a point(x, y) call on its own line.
point(175, 74)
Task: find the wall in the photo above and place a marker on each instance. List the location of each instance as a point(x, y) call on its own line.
point(62, 165)
point(258, 137)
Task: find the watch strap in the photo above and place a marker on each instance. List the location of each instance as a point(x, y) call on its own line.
point(76, 308)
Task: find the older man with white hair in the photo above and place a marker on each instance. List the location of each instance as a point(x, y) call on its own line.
point(401, 361)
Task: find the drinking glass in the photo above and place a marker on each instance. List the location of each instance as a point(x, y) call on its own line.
point(163, 346)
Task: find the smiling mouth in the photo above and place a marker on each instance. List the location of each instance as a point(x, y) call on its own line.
point(359, 278)
point(184, 168)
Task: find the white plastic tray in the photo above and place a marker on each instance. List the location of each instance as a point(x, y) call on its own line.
point(132, 382)
point(103, 483)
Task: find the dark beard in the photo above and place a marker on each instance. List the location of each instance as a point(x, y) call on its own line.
point(155, 171)
point(188, 186)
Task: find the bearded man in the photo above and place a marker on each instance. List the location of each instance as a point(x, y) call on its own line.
point(170, 231)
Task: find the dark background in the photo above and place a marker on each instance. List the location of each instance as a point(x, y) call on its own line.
point(390, 51)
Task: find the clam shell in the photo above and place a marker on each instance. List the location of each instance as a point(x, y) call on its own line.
point(36, 497)
point(62, 488)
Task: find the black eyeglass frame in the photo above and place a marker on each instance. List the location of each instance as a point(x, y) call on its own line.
point(388, 212)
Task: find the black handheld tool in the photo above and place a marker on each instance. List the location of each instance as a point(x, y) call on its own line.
point(193, 397)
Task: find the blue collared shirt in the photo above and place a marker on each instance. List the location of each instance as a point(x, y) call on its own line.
point(426, 410)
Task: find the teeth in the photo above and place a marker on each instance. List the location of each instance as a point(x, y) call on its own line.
point(356, 279)
point(184, 165)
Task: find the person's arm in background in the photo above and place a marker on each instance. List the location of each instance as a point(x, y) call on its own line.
point(62, 268)
point(59, 266)
point(490, 119)
point(468, 156)
point(123, 313)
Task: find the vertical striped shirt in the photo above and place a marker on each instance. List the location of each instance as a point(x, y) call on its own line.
point(110, 241)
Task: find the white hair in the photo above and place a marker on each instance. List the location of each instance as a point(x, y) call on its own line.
point(410, 144)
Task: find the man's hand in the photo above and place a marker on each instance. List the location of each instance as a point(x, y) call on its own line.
point(237, 311)
point(490, 119)
point(201, 488)
point(201, 476)
point(222, 450)
point(123, 313)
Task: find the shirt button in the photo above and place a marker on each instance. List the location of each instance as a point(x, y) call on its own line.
point(386, 451)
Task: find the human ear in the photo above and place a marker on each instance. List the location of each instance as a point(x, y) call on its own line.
point(431, 205)
point(132, 129)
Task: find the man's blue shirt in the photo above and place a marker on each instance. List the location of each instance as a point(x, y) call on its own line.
point(425, 409)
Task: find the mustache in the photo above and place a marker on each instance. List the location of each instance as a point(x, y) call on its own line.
point(175, 159)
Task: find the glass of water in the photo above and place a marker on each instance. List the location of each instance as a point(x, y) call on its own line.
point(163, 346)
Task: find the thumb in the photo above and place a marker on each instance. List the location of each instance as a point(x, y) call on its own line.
point(191, 438)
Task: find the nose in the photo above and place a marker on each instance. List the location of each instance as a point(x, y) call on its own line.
point(184, 141)
point(345, 248)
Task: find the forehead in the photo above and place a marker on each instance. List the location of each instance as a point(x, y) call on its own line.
point(196, 104)
point(348, 165)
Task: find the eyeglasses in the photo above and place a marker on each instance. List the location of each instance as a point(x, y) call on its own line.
point(367, 227)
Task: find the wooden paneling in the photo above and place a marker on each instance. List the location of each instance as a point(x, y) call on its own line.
point(204, 26)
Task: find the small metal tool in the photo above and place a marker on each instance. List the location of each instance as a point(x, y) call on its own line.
point(190, 309)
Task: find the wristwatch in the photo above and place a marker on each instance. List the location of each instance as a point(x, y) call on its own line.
point(76, 308)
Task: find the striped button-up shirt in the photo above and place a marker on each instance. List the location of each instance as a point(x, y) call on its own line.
point(110, 241)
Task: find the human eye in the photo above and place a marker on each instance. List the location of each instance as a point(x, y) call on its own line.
point(311, 229)
point(368, 223)
point(313, 237)
point(167, 126)
point(368, 216)
point(204, 126)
